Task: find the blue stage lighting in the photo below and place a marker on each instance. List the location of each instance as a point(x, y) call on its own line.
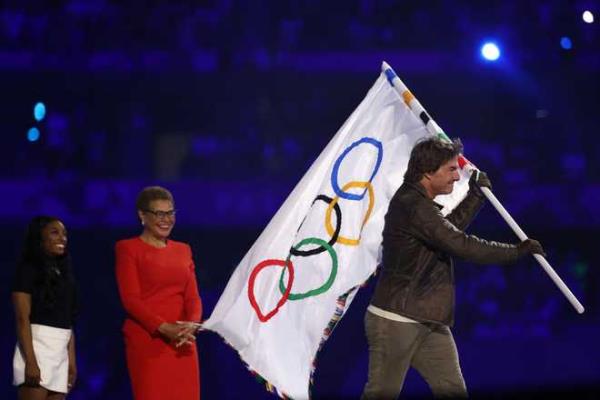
point(33, 134)
point(588, 16)
point(39, 111)
point(565, 43)
point(490, 51)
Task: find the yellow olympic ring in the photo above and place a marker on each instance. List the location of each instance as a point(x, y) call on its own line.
point(353, 184)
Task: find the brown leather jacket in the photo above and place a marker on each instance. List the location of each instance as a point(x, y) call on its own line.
point(417, 276)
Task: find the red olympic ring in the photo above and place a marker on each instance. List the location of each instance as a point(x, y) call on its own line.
point(266, 263)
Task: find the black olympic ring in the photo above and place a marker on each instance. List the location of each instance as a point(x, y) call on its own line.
point(334, 237)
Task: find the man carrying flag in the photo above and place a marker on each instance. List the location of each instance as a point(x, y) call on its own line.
point(298, 279)
point(408, 321)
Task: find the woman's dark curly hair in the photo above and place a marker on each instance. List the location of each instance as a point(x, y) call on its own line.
point(150, 194)
point(33, 255)
point(428, 155)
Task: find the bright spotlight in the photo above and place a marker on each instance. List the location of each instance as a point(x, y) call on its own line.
point(565, 43)
point(39, 111)
point(588, 17)
point(33, 134)
point(490, 51)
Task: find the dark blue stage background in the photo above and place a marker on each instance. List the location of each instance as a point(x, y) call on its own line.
point(227, 103)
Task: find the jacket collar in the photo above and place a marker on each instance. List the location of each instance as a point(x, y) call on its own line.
point(416, 186)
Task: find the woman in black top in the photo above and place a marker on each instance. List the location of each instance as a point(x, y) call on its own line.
point(44, 297)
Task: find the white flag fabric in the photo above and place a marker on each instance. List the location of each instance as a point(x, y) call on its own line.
point(300, 275)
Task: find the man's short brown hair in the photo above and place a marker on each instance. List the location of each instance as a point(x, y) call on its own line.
point(428, 155)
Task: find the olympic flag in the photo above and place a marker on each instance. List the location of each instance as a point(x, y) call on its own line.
point(299, 277)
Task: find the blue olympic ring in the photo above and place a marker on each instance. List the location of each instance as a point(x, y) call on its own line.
point(338, 162)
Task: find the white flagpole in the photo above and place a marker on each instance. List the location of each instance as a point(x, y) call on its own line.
point(434, 129)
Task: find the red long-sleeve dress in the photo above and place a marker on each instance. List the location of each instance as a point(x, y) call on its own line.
point(158, 285)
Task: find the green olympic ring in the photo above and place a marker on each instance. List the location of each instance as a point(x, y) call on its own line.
point(323, 288)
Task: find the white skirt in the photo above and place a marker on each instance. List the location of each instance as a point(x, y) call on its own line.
point(50, 346)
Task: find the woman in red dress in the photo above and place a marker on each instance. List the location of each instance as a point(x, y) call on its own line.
point(157, 284)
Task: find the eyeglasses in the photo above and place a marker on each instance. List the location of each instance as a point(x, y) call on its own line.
point(162, 214)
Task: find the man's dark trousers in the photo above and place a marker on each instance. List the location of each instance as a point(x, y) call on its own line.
point(395, 346)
